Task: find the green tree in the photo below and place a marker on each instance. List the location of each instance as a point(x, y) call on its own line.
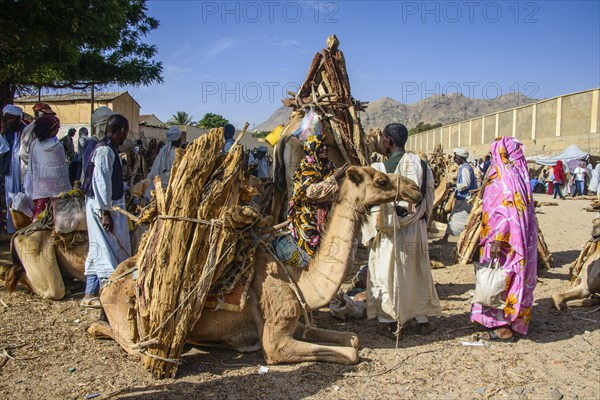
point(211, 120)
point(75, 44)
point(181, 118)
point(422, 127)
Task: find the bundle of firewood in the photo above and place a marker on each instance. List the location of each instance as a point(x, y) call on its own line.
point(327, 89)
point(468, 242)
point(589, 248)
point(189, 245)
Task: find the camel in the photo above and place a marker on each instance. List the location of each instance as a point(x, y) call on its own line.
point(42, 258)
point(587, 291)
point(270, 319)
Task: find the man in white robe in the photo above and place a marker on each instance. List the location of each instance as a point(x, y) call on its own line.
point(164, 161)
point(108, 230)
point(11, 163)
point(400, 286)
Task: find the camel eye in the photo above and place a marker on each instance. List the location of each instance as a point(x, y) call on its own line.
point(381, 182)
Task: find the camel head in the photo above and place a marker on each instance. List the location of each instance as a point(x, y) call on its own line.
point(367, 187)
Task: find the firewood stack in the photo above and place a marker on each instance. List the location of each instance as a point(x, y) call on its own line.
point(468, 243)
point(327, 89)
point(188, 246)
point(589, 248)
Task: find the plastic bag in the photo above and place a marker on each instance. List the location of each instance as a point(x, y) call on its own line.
point(69, 214)
point(310, 126)
point(288, 251)
point(21, 202)
point(490, 285)
point(4, 147)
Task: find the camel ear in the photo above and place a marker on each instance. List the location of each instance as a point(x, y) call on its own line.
point(353, 173)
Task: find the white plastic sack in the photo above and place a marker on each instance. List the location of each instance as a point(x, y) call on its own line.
point(21, 202)
point(490, 285)
point(4, 147)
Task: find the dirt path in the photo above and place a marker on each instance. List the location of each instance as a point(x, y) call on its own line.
point(52, 358)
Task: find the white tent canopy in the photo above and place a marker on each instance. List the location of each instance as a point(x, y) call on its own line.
point(571, 153)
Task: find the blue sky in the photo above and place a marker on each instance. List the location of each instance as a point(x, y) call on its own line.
point(238, 58)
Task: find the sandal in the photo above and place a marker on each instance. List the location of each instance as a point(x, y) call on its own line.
point(492, 336)
point(92, 302)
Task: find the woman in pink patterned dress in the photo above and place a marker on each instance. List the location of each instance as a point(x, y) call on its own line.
point(509, 233)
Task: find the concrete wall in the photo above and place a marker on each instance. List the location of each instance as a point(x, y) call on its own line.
point(546, 127)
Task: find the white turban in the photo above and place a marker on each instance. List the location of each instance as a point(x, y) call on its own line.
point(173, 134)
point(100, 118)
point(461, 153)
point(13, 110)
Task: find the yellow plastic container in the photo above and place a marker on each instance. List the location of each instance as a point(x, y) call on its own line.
point(273, 137)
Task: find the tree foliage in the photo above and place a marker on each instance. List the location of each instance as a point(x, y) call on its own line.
point(211, 120)
point(260, 134)
point(75, 43)
point(181, 118)
point(422, 127)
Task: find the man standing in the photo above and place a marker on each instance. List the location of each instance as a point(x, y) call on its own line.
point(47, 174)
point(259, 163)
point(11, 163)
point(39, 110)
point(164, 161)
point(108, 230)
point(465, 183)
point(580, 174)
point(400, 285)
point(100, 118)
point(68, 144)
point(229, 132)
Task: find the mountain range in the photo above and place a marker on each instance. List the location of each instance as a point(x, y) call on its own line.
point(445, 109)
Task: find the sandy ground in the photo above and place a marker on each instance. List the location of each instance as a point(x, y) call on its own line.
point(51, 357)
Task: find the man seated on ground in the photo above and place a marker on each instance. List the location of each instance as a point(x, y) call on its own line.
point(108, 230)
point(47, 175)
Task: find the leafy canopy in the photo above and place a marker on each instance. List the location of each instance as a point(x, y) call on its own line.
point(211, 120)
point(75, 43)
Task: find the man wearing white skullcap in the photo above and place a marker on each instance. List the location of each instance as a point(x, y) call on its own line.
point(164, 161)
point(465, 183)
point(11, 163)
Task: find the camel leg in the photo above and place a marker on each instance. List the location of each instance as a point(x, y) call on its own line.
point(346, 339)
point(578, 292)
point(279, 346)
point(589, 302)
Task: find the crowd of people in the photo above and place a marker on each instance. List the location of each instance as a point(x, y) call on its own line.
point(400, 287)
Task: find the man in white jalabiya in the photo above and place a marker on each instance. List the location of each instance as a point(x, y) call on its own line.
point(108, 230)
point(11, 163)
point(164, 161)
point(400, 285)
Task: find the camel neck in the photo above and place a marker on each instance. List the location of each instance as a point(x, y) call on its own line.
point(328, 268)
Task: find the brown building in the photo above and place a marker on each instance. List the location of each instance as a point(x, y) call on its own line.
point(74, 110)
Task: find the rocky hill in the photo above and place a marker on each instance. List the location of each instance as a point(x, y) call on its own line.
point(446, 109)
